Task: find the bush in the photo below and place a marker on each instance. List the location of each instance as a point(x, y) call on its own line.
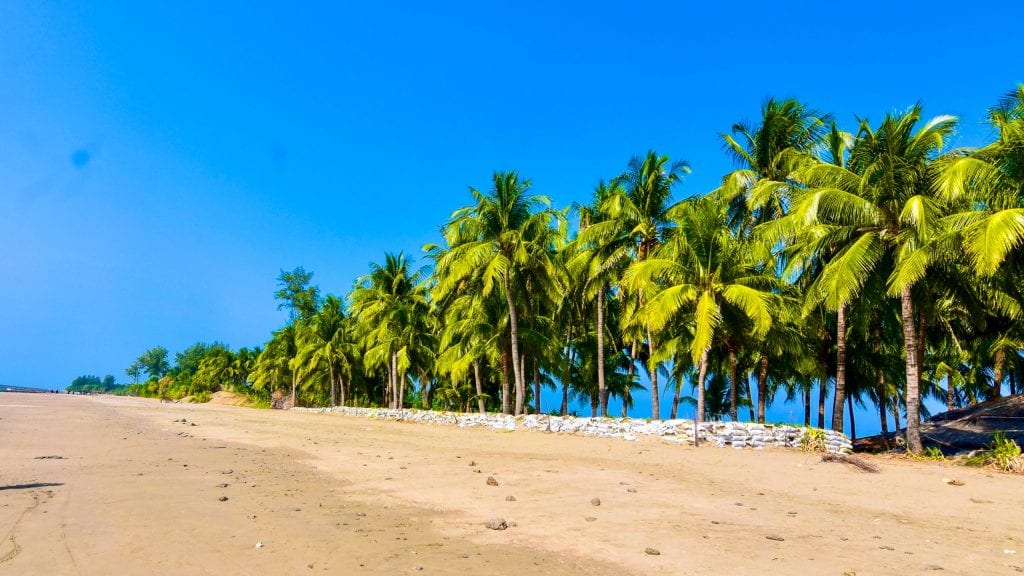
point(1004, 454)
point(813, 440)
point(201, 397)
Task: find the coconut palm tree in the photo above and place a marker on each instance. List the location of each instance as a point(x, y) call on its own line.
point(990, 183)
point(324, 344)
point(768, 153)
point(880, 207)
point(391, 305)
point(273, 365)
point(507, 232)
point(640, 205)
point(704, 270)
point(602, 248)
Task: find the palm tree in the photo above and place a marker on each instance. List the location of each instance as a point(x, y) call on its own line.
point(602, 252)
point(990, 182)
point(273, 365)
point(392, 308)
point(704, 270)
point(768, 153)
point(879, 208)
point(325, 345)
point(641, 205)
point(988, 185)
point(503, 234)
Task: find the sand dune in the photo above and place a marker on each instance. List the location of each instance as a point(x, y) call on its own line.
point(138, 491)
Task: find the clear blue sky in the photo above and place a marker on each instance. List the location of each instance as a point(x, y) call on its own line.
point(160, 165)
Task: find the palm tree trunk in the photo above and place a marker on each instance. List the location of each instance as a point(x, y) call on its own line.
point(401, 390)
point(425, 392)
point(675, 398)
point(629, 378)
point(602, 389)
point(567, 375)
point(913, 373)
point(762, 388)
point(653, 366)
point(394, 381)
point(822, 396)
point(882, 416)
point(294, 386)
point(334, 394)
point(997, 373)
point(896, 412)
point(853, 424)
point(517, 368)
point(840, 393)
point(702, 373)
point(522, 370)
point(807, 406)
point(536, 386)
point(480, 403)
point(506, 405)
point(734, 384)
point(950, 392)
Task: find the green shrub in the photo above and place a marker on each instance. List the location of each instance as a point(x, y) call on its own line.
point(1004, 454)
point(813, 440)
point(201, 397)
point(932, 453)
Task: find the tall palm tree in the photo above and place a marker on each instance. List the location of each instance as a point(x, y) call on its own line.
point(641, 206)
point(701, 270)
point(324, 344)
point(603, 250)
point(391, 305)
point(273, 365)
point(504, 233)
point(761, 190)
point(988, 185)
point(880, 207)
point(991, 180)
point(768, 153)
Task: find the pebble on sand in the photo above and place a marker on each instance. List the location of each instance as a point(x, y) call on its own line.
point(652, 552)
point(595, 501)
point(491, 481)
point(497, 524)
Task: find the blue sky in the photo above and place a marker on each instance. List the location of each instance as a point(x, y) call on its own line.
point(159, 165)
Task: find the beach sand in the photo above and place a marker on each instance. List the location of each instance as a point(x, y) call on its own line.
point(135, 492)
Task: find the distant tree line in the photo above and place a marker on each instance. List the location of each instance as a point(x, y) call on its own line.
point(94, 385)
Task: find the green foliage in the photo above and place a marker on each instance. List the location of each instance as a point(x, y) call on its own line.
point(94, 385)
point(188, 360)
point(296, 295)
point(813, 440)
point(200, 397)
point(1004, 454)
point(932, 453)
point(154, 362)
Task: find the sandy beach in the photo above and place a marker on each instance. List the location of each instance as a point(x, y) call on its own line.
point(106, 485)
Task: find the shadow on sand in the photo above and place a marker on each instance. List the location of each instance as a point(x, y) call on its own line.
point(33, 485)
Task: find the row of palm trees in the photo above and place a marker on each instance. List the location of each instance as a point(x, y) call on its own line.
point(875, 263)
